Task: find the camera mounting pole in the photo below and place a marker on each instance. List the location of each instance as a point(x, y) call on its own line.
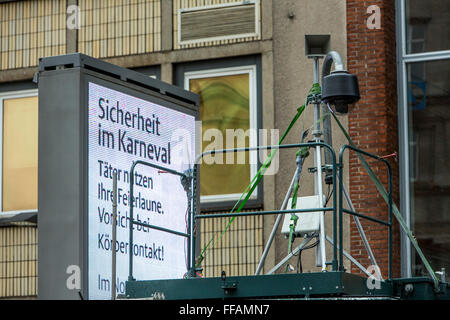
point(318, 190)
point(340, 88)
point(331, 57)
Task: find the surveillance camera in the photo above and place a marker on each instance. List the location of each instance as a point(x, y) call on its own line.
point(339, 89)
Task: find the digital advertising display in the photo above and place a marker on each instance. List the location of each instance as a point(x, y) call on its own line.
point(123, 128)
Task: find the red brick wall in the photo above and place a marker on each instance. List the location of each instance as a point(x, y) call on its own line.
point(371, 55)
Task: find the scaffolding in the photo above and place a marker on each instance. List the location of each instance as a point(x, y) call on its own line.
point(336, 283)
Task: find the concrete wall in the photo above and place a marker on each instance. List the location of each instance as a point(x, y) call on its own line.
point(293, 77)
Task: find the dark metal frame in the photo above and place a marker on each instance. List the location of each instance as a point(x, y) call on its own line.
point(334, 262)
point(342, 210)
point(191, 208)
point(337, 283)
point(133, 222)
point(338, 260)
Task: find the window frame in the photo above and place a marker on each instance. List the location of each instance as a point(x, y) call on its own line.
point(222, 72)
point(5, 96)
point(219, 38)
point(224, 65)
point(403, 60)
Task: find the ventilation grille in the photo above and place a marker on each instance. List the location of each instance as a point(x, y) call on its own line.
point(227, 21)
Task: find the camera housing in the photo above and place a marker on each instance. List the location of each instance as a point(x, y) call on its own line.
point(339, 89)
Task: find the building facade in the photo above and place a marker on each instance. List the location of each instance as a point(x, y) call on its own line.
point(247, 61)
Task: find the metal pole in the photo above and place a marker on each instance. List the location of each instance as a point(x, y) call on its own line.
point(275, 226)
point(331, 58)
point(114, 238)
point(132, 222)
point(263, 213)
point(390, 222)
point(360, 229)
point(349, 257)
point(318, 176)
point(300, 246)
point(340, 203)
point(190, 195)
point(130, 241)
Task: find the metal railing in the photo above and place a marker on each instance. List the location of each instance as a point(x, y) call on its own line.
point(333, 209)
point(342, 210)
point(337, 210)
point(188, 180)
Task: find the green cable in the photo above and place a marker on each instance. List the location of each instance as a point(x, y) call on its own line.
point(313, 92)
point(303, 152)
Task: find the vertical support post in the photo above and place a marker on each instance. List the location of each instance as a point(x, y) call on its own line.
point(192, 218)
point(188, 182)
point(114, 239)
point(318, 176)
point(275, 226)
point(390, 220)
point(341, 187)
point(359, 227)
point(130, 242)
point(191, 251)
point(335, 261)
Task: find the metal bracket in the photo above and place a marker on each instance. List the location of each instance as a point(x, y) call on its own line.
point(186, 180)
point(325, 169)
point(229, 287)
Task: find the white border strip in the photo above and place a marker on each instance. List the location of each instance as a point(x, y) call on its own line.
point(427, 56)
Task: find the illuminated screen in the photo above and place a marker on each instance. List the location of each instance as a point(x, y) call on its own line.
point(123, 129)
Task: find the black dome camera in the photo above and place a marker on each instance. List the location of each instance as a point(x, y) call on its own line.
point(339, 89)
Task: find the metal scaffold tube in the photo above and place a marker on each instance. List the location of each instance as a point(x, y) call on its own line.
point(275, 226)
point(114, 239)
point(318, 174)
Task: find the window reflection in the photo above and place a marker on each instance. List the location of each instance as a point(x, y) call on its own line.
point(427, 25)
point(20, 154)
point(224, 105)
point(429, 106)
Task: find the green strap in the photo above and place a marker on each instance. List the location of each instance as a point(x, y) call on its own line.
point(303, 152)
point(315, 90)
point(395, 209)
point(292, 225)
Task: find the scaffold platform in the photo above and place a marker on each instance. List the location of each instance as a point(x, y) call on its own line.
point(317, 285)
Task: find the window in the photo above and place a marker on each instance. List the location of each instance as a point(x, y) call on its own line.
point(229, 118)
point(226, 106)
point(423, 50)
point(427, 25)
point(19, 159)
point(429, 128)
